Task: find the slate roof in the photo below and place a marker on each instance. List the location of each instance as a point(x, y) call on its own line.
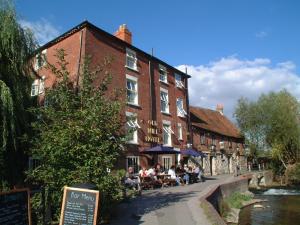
point(214, 121)
point(87, 24)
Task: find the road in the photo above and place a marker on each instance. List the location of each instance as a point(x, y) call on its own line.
point(168, 206)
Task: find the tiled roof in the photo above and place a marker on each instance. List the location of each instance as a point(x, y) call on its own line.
point(213, 121)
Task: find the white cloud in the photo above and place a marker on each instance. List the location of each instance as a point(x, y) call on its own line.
point(261, 34)
point(226, 80)
point(43, 30)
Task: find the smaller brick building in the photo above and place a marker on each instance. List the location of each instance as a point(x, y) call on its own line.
point(217, 136)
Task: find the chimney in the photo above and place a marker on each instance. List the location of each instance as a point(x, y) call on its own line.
point(220, 108)
point(124, 34)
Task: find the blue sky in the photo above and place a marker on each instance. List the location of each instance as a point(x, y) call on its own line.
point(232, 48)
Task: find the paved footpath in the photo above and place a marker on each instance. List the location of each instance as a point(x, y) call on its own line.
point(168, 206)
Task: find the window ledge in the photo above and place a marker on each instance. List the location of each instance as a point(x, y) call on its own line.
point(164, 82)
point(166, 113)
point(132, 143)
point(134, 105)
point(181, 116)
point(133, 69)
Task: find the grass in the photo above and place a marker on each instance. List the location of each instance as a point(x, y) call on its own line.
point(236, 199)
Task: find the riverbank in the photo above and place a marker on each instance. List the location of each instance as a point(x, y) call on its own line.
point(211, 202)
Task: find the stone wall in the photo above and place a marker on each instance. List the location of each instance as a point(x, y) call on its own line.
point(212, 199)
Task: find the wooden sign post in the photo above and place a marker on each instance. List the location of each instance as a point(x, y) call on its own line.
point(79, 206)
point(15, 207)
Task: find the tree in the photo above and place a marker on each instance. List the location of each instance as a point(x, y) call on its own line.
point(78, 134)
point(16, 46)
point(271, 124)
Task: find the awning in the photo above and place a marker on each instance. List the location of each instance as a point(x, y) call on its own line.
point(192, 152)
point(160, 149)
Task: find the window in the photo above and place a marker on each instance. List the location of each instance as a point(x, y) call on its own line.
point(163, 74)
point(180, 110)
point(229, 143)
point(132, 126)
point(179, 130)
point(131, 60)
point(178, 81)
point(40, 60)
point(202, 139)
point(133, 161)
point(213, 140)
point(167, 133)
point(167, 162)
point(37, 87)
point(33, 163)
point(132, 90)
point(164, 100)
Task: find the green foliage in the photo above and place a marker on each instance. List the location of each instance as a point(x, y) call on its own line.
point(16, 46)
point(236, 200)
point(292, 174)
point(271, 124)
point(78, 135)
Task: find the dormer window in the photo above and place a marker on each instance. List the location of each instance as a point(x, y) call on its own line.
point(163, 74)
point(178, 81)
point(131, 60)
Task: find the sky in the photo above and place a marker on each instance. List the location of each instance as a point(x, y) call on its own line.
point(231, 48)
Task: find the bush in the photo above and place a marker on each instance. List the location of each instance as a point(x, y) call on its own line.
point(292, 174)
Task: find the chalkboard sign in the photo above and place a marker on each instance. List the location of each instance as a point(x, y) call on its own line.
point(15, 207)
point(79, 206)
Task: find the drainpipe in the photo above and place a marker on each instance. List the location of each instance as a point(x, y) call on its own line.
point(79, 62)
point(188, 119)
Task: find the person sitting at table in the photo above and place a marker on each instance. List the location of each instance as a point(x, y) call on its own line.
point(158, 169)
point(197, 173)
point(143, 172)
point(131, 180)
point(172, 174)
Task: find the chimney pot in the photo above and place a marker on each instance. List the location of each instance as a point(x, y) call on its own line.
point(124, 34)
point(220, 108)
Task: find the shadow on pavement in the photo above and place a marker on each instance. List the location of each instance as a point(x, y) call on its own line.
point(132, 211)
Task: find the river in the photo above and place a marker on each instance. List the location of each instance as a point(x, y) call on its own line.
point(281, 208)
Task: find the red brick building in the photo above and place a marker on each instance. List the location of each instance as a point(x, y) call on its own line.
point(157, 93)
point(217, 136)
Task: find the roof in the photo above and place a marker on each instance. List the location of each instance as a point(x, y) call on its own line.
point(113, 38)
point(213, 121)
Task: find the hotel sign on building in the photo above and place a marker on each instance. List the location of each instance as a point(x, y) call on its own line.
point(152, 132)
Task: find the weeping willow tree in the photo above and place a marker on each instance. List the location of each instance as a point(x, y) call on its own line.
point(16, 47)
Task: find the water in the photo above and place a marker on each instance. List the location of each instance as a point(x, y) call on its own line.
point(282, 208)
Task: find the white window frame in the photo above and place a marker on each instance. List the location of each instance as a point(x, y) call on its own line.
point(180, 110)
point(167, 130)
point(178, 81)
point(167, 159)
point(132, 123)
point(164, 74)
point(134, 80)
point(40, 60)
point(131, 56)
point(164, 99)
point(133, 158)
point(179, 131)
point(37, 87)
